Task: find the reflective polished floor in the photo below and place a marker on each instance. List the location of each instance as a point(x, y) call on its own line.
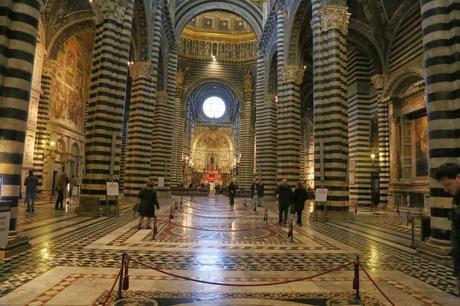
point(75, 260)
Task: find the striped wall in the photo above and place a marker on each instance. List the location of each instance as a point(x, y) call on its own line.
point(246, 167)
point(359, 119)
point(43, 136)
point(18, 34)
point(407, 48)
point(441, 36)
point(140, 124)
point(107, 95)
point(330, 102)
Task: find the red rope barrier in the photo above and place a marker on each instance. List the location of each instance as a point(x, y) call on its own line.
point(212, 210)
point(215, 230)
point(111, 289)
point(211, 217)
point(240, 285)
point(377, 286)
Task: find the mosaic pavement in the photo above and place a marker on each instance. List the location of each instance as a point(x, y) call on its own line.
point(208, 241)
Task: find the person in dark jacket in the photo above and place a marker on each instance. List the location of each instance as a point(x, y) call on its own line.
point(299, 198)
point(449, 177)
point(260, 191)
point(149, 201)
point(284, 193)
point(232, 188)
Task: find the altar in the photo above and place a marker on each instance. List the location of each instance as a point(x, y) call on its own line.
point(212, 176)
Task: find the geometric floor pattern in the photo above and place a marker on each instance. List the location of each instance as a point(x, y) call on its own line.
point(74, 260)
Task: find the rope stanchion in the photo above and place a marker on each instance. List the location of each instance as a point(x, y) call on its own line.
point(377, 286)
point(241, 285)
point(155, 228)
point(356, 278)
point(356, 209)
point(215, 230)
point(291, 231)
point(266, 216)
point(407, 218)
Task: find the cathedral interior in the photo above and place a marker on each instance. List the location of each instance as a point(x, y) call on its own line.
point(356, 101)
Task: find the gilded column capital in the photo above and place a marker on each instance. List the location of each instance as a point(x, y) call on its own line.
point(162, 97)
point(180, 78)
point(293, 74)
point(334, 17)
point(379, 81)
point(110, 9)
point(247, 94)
point(140, 70)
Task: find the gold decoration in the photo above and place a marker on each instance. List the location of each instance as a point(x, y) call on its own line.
point(180, 76)
point(110, 9)
point(248, 80)
point(293, 73)
point(140, 70)
point(334, 17)
point(379, 81)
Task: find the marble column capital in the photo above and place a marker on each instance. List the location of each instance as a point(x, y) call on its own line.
point(248, 94)
point(162, 97)
point(293, 74)
point(180, 78)
point(50, 66)
point(110, 9)
point(334, 17)
point(140, 70)
point(379, 81)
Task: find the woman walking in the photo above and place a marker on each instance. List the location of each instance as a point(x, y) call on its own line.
point(147, 205)
point(300, 196)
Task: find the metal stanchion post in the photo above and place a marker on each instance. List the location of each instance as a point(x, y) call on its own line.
point(266, 216)
point(356, 279)
point(413, 231)
point(407, 218)
point(120, 281)
point(356, 209)
point(155, 228)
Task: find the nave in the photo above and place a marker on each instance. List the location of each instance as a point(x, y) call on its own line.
point(75, 260)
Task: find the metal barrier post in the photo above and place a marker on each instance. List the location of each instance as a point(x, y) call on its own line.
point(266, 216)
point(356, 278)
point(407, 218)
point(413, 231)
point(155, 228)
point(120, 281)
point(291, 231)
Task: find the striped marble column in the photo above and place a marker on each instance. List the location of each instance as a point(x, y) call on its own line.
point(265, 131)
point(19, 23)
point(179, 131)
point(379, 82)
point(140, 125)
point(42, 139)
point(441, 34)
point(330, 29)
point(246, 167)
point(107, 94)
point(289, 138)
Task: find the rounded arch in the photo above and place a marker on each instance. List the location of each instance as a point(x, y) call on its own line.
point(294, 26)
point(271, 68)
point(245, 9)
point(198, 83)
point(84, 25)
point(399, 82)
point(141, 31)
point(75, 150)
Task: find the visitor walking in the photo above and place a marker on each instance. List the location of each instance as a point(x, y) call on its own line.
point(449, 177)
point(61, 185)
point(31, 183)
point(149, 201)
point(299, 198)
point(260, 193)
point(284, 193)
point(232, 188)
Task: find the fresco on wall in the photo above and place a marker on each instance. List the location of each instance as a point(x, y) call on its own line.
point(421, 146)
point(67, 92)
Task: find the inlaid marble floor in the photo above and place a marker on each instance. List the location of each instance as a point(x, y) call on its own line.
point(75, 260)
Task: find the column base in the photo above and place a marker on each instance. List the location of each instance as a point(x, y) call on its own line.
point(16, 245)
point(332, 215)
point(436, 249)
point(89, 206)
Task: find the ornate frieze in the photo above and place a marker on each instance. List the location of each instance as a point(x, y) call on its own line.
point(334, 17)
point(293, 73)
point(110, 9)
point(140, 70)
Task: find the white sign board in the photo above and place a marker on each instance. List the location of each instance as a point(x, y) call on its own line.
point(161, 182)
point(321, 194)
point(112, 189)
point(4, 227)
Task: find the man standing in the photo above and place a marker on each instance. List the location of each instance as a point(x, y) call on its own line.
point(284, 201)
point(61, 185)
point(232, 188)
point(449, 177)
point(31, 183)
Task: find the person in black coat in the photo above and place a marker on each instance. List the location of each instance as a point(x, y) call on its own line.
point(149, 201)
point(285, 196)
point(299, 198)
point(232, 188)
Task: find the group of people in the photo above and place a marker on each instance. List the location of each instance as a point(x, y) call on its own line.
point(293, 201)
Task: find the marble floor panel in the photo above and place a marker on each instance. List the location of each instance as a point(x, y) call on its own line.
point(74, 261)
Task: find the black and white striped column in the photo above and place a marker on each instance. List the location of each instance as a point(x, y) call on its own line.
point(42, 140)
point(246, 167)
point(179, 132)
point(265, 131)
point(107, 94)
point(140, 125)
point(441, 36)
point(379, 82)
point(18, 32)
point(330, 29)
point(289, 147)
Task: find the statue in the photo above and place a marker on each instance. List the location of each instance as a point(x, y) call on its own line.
point(248, 82)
